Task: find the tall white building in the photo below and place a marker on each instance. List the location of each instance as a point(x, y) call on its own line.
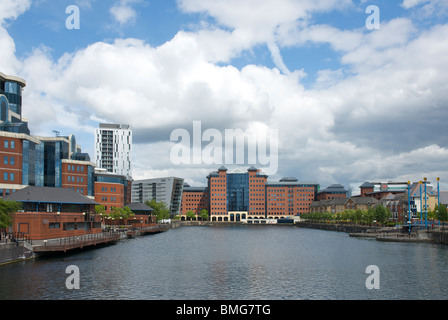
point(113, 147)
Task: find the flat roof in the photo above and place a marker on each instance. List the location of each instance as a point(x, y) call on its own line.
point(13, 78)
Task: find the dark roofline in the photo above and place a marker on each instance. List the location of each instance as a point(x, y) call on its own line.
point(33, 194)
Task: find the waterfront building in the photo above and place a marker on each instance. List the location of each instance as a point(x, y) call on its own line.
point(334, 191)
point(11, 119)
point(113, 148)
point(422, 202)
point(339, 205)
point(168, 190)
point(237, 195)
point(289, 197)
point(53, 213)
point(112, 190)
point(194, 199)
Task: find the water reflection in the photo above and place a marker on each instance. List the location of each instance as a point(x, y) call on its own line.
point(253, 262)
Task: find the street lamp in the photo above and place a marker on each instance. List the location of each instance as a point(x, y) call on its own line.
point(409, 205)
point(426, 208)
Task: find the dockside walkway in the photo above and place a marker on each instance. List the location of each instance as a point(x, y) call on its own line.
point(17, 247)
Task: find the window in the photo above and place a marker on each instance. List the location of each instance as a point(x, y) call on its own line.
point(5, 160)
point(5, 176)
point(6, 144)
point(13, 144)
point(12, 160)
point(11, 176)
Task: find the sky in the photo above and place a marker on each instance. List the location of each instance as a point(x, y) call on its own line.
point(353, 94)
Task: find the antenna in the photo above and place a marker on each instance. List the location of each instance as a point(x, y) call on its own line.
point(57, 133)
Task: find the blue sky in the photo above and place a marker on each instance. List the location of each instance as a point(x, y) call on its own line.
point(350, 104)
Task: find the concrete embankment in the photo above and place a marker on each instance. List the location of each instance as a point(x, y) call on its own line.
point(14, 252)
point(386, 234)
point(348, 228)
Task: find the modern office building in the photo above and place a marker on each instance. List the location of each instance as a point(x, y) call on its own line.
point(27, 160)
point(112, 190)
point(194, 199)
point(167, 190)
point(11, 119)
point(335, 191)
point(238, 195)
point(289, 197)
point(113, 148)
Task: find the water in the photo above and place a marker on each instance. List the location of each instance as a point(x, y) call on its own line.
point(235, 263)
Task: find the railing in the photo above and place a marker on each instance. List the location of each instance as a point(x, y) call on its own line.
point(81, 239)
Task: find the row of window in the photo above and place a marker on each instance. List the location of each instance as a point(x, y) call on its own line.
point(9, 144)
point(112, 199)
point(9, 160)
point(75, 179)
point(9, 176)
point(112, 189)
point(72, 167)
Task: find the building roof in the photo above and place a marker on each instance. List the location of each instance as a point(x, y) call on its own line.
point(367, 185)
point(334, 188)
point(343, 201)
point(138, 206)
point(49, 195)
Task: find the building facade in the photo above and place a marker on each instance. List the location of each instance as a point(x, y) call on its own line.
point(113, 148)
point(237, 195)
point(168, 190)
point(289, 197)
point(112, 190)
point(194, 199)
point(335, 191)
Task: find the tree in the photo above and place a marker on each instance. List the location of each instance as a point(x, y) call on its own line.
point(7, 208)
point(190, 215)
point(204, 215)
point(160, 209)
point(121, 213)
point(442, 213)
point(381, 213)
point(100, 209)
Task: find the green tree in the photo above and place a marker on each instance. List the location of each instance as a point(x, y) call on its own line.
point(442, 213)
point(382, 214)
point(100, 209)
point(161, 211)
point(204, 215)
point(191, 215)
point(7, 209)
point(121, 213)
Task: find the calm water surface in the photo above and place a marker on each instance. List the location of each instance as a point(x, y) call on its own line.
point(233, 263)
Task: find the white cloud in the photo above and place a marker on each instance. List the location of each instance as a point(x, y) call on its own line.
point(11, 9)
point(123, 12)
point(372, 117)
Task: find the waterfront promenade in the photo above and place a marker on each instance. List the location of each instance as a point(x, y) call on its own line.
point(16, 247)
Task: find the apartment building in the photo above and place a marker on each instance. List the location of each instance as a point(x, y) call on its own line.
point(113, 148)
point(168, 190)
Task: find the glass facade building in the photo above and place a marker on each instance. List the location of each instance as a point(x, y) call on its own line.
point(238, 192)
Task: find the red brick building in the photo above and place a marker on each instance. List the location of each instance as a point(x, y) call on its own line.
point(289, 197)
point(50, 213)
point(111, 190)
point(237, 195)
point(335, 191)
point(75, 175)
point(194, 199)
